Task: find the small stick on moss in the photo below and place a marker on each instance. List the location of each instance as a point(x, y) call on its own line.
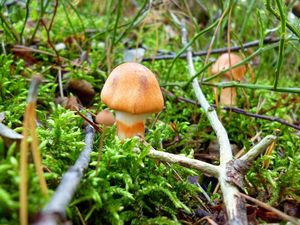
point(272, 209)
point(266, 41)
point(184, 161)
point(29, 127)
point(54, 212)
point(61, 92)
point(234, 205)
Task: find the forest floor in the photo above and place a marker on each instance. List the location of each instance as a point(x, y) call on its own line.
point(74, 45)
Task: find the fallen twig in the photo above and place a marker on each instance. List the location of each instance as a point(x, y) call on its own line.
point(272, 209)
point(234, 204)
point(267, 40)
point(184, 161)
point(54, 211)
point(236, 110)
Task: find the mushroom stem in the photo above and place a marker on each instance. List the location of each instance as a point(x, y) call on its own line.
point(130, 125)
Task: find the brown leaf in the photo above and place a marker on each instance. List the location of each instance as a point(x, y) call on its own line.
point(83, 90)
point(25, 55)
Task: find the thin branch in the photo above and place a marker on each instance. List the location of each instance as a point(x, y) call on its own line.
point(272, 209)
point(56, 208)
point(267, 40)
point(236, 110)
point(48, 29)
point(184, 161)
point(226, 154)
point(235, 206)
point(259, 148)
point(60, 85)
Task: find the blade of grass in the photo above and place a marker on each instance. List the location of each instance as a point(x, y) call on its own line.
point(25, 20)
point(78, 15)
point(43, 8)
point(281, 43)
point(10, 27)
point(182, 50)
point(291, 27)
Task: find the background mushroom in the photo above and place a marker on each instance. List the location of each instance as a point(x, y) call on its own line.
point(133, 92)
point(228, 95)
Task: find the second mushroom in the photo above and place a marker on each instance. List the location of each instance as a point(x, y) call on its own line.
point(225, 61)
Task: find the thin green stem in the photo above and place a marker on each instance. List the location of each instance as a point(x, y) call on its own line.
point(253, 86)
point(42, 12)
point(26, 19)
point(188, 45)
point(246, 19)
point(119, 12)
point(136, 20)
point(11, 29)
point(291, 27)
point(78, 15)
point(281, 44)
point(68, 18)
point(198, 73)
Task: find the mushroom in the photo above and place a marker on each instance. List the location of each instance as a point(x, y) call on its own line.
point(228, 95)
point(105, 117)
point(133, 92)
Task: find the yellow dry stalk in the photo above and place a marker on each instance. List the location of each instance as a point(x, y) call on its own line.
point(269, 151)
point(23, 172)
point(29, 128)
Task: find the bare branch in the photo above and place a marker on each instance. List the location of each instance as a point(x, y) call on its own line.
point(55, 209)
point(259, 148)
point(184, 161)
point(267, 40)
point(234, 204)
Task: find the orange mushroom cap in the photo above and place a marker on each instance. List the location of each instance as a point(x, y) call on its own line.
point(222, 63)
point(132, 88)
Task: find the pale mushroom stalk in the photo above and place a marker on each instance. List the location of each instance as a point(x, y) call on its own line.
point(129, 125)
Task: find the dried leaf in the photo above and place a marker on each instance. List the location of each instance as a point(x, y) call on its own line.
point(25, 55)
point(83, 90)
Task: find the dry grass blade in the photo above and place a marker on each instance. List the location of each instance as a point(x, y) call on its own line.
point(29, 128)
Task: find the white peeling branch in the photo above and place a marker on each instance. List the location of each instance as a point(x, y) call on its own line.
point(54, 211)
point(225, 149)
point(184, 161)
point(234, 204)
point(259, 148)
